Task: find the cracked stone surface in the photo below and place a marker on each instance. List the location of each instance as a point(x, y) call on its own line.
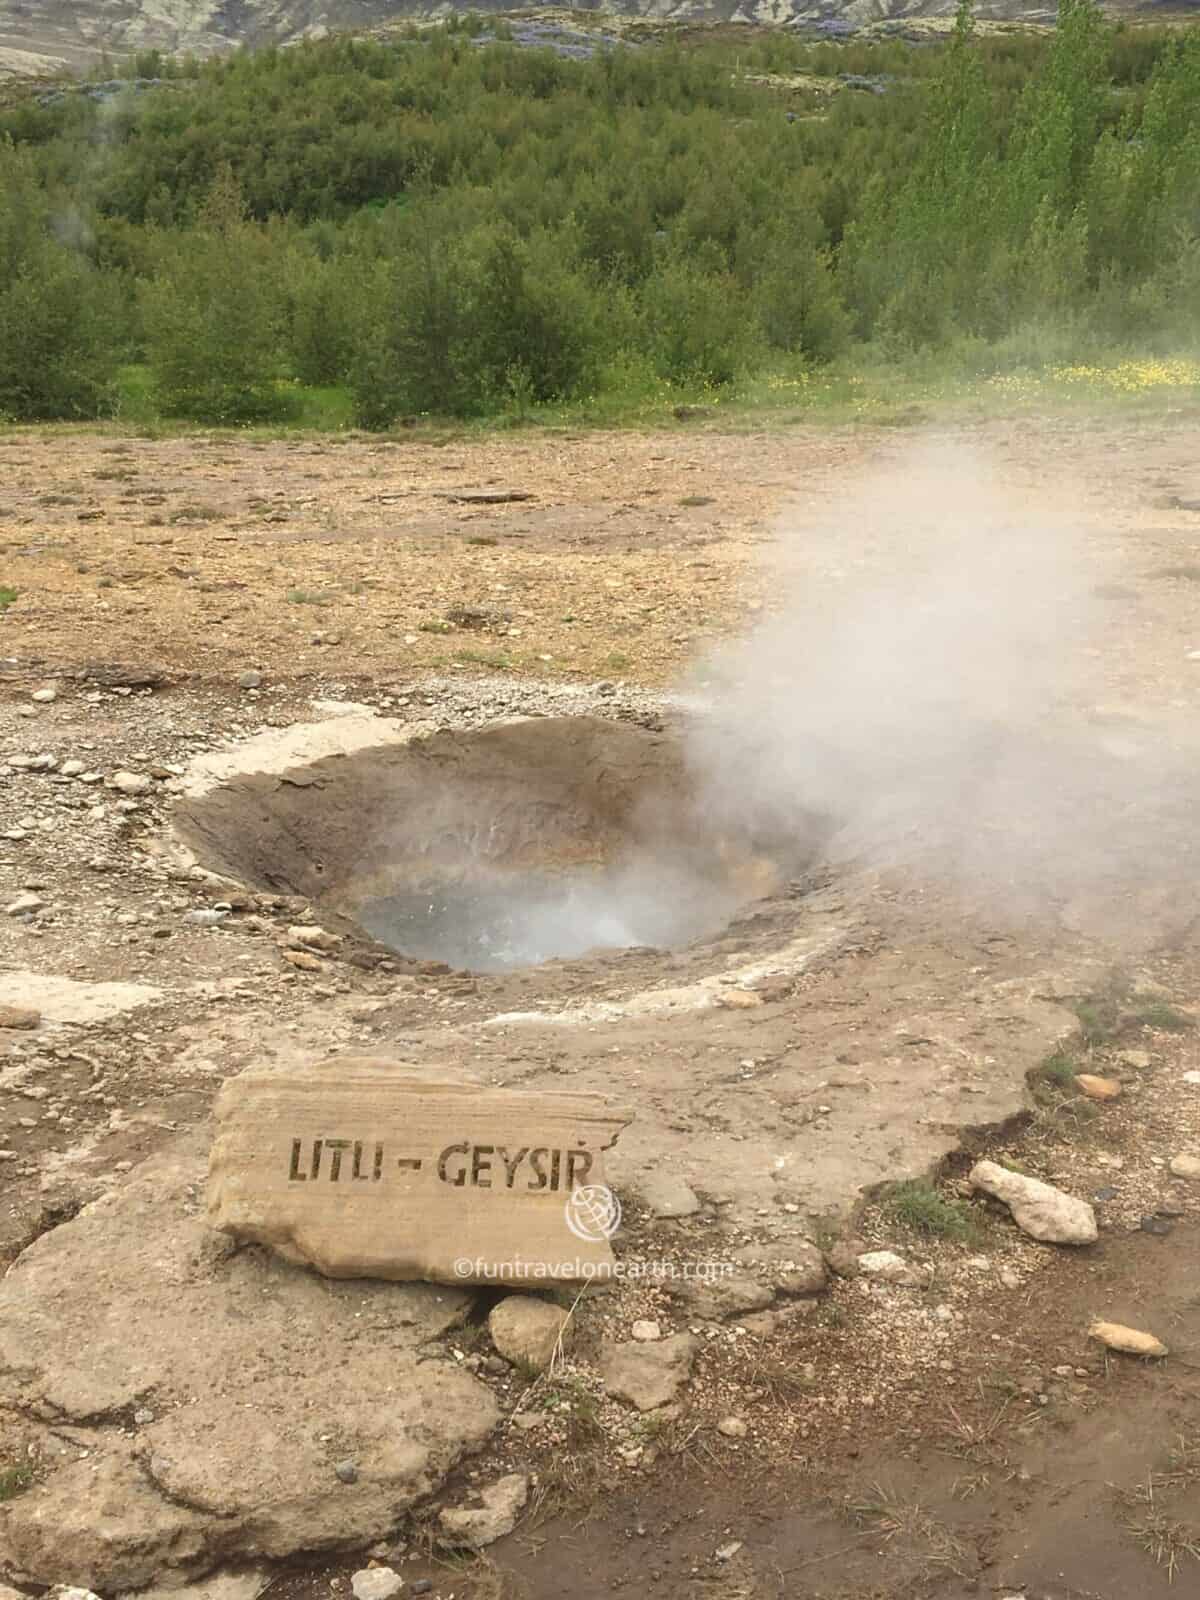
point(260, 1377)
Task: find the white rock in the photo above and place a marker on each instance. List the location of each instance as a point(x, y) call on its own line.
point(503, 1502)
point(24, 904)
point(130, 782)
point(44, 697)
point(1185, 1166)
point(732, 1427)
point(1191, 1077)
point(667, 1196)
point(646, 1332)
point(884, 1264)
point(376, 1583)
point(726, 1552)
point(71, 769)
point(1038, 1209)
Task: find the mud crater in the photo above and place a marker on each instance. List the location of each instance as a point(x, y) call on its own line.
point(497, 848)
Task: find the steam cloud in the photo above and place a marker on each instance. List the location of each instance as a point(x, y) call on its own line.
point(943, 712)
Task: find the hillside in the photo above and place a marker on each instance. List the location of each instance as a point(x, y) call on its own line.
point(38, 37)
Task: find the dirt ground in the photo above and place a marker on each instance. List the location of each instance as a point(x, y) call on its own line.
point(952, 1437)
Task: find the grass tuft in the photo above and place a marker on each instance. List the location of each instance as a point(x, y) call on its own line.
point(920, 1206)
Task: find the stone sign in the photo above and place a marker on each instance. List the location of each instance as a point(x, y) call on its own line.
point(362, 1169)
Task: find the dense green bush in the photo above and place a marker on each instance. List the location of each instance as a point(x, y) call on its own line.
point(56, 312)
point(437, 223)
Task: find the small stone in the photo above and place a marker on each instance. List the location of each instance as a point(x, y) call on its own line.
point(1139, 1060)
point(44, 697)
point(643, 1332)
point(883, 1264)
point(732, 1427)
point(1191, 1077)
point(252, 680)
point(474, 1527)
point(19, 1017)
point(1098, 1088)
point(71, 769)
point(726, 1552)
point(302, 934)
point(978, 1263)
point(739, 999)
point(25, 905)
point(210, 917)
point(346, 1472)
point(142, 1417)
point(1038, 1209)
point(667, 1196)
point(302, 960)
point(1181, 1166)
point(1131, 1341)
point(1155, 1224)
point(648, 1375)
point(376, 1583)
point(130, 782)
point(527, 1331)
point(422, 1585)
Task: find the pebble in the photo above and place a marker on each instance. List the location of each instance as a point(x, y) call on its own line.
point(1191, 1077)
point(143, 1417)
point(1132, 1341)
point(1184, 1166)
point(643, 1331)
point(732, 1427)
point(19, 1017)
point(346, 1471)
point(24, 905)
point(71, 769)
point(376, 1583)
point(726, 1552)
point(1097, 1088)
point(208, 918)
point(885, 1264)
point(250, 680)
point(44, 697)
point(130, 782)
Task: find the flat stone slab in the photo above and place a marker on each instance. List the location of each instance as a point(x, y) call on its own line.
point(198, 1396)
point(362, 1169)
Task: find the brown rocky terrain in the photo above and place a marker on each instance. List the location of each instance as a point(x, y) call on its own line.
point(217, 643)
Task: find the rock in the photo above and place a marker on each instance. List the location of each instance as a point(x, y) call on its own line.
point(216, 1335)
point(1010, 1278)
point(469, 1178)
point(842, 1257)
point(713, 1299)
point(885, 1265)
point(739, 999)
point(1132, 1341)
point(25, 905)
point(72, 769)
point(732, 1427)
point(1191, 1077)
point(1038, 1209)
point(795, 1268)
point(1179, 1166)
point(250, 680)
point(1139, 1060)
point(474, 1527)
point(306, 934)
point(346, 1472)
point(648, 1375)
point(666, 1195)
point(726, 1552)
point(646, 1332)
point(376, 1583)
point(209, 917)
point(1098, 1088)
point(302, 959)
point(68, 1591)
point(764, 1323)
point(19, 1017)
point(44, 697)
point(130, 783)
point(246, 1583)
point(527, 1331)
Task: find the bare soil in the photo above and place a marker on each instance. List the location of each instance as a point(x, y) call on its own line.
point(960, 1438)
